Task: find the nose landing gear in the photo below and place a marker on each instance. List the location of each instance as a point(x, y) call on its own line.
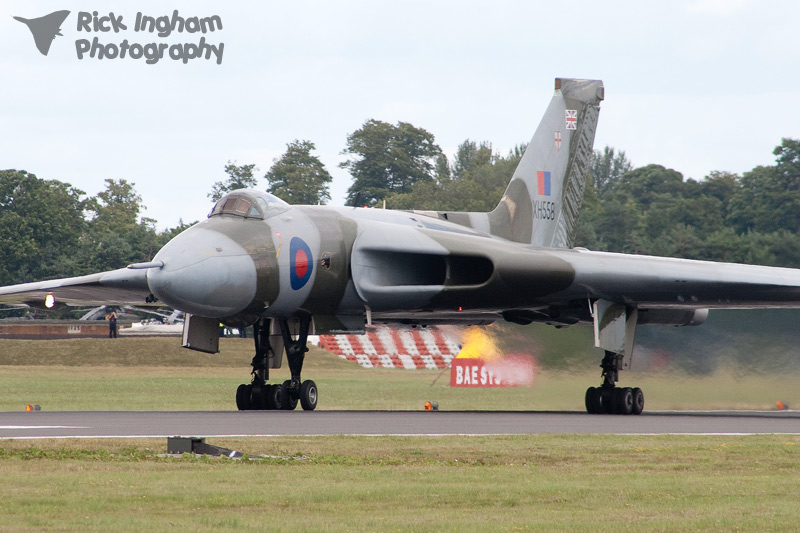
point(259, 395)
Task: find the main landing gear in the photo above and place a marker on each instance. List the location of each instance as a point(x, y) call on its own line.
point(610, 399)
point(259, 395)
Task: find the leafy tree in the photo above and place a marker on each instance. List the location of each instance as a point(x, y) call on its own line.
point(726, 245)
point(769, 197)
point(41, 222)
point(783, 247)
point(788, 161)
point(702, 212)
point(471, 156)
point(680, 240)
point(299, 177)
point(239, 177)
point(116, 235)
point(720, 185)
point(754, 218)
point(753, 206)
point(607, 168)
point(442, 170)
point(649, 184)
point(117, 207)
point(586, 235)
point(388, 159)
point(477, 182)
point(618, 225)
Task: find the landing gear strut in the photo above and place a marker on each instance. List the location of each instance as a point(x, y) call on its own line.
point(294, 389)
point(259, 395)
point(609, 398)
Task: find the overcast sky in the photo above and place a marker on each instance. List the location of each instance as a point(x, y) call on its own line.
point(697, 86)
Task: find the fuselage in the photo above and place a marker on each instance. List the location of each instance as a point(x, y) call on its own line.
point(346, 266)
point(345, 262)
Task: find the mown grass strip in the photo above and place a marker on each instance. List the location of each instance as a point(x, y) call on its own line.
point(156, 374)
point(557, 482)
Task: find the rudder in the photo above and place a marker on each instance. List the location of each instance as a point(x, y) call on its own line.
point(542, 202)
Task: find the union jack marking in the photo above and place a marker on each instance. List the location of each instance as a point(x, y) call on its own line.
point(572, 119)
point(557, 137)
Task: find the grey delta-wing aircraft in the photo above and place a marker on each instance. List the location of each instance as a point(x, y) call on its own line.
point(292, 271)
point(45, 29)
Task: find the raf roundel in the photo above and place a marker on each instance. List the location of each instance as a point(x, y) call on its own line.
point(302, 263)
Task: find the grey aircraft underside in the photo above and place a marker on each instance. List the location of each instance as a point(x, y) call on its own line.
point(292, 271)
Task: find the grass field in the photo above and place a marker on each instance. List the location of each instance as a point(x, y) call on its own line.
point(156, 374)
point(512, 483)
point(504, 483)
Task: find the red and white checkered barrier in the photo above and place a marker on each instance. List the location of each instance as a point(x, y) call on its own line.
point(395, 348)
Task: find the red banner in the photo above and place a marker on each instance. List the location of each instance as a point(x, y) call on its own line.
point(507, 372)
point(471, 373)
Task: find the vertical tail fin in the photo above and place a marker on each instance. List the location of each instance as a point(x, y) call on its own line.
point(542, 201)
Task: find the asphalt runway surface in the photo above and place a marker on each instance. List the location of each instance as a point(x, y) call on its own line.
point(125, 424)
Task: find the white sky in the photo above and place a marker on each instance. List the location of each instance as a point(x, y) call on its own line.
point(695, 85)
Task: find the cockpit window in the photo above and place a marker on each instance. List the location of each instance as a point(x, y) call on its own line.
point(248, 203)
point(243, 206)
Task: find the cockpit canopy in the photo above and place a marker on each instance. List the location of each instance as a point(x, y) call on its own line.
point(249, 203)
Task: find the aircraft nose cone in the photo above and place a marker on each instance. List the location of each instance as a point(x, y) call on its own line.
point(205, 273)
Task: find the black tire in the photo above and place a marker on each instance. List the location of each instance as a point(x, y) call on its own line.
point(606, 400)
point(256, 398)
point(308, 395)
point(589, 400)
point(287, 398)
point(614, 404)
point(243, 397)
point(264, 399)
point(273, 393)
point(625, 401)
point(638, 401)
point(596, 401)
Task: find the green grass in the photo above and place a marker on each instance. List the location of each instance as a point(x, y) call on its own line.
point(156, 374)
point(530, 483)
point(342, 483)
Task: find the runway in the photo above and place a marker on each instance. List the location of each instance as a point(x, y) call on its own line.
point(127, 424)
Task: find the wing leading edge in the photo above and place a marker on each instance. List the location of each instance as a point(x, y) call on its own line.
point(664, 282)
point(124, 286)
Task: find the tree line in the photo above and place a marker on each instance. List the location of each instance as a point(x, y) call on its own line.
point(52, 229)
point(752, 218)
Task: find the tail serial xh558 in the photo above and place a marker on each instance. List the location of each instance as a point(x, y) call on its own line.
point(296, 270)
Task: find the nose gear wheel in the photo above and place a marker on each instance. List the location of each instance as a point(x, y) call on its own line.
point(260, 395)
